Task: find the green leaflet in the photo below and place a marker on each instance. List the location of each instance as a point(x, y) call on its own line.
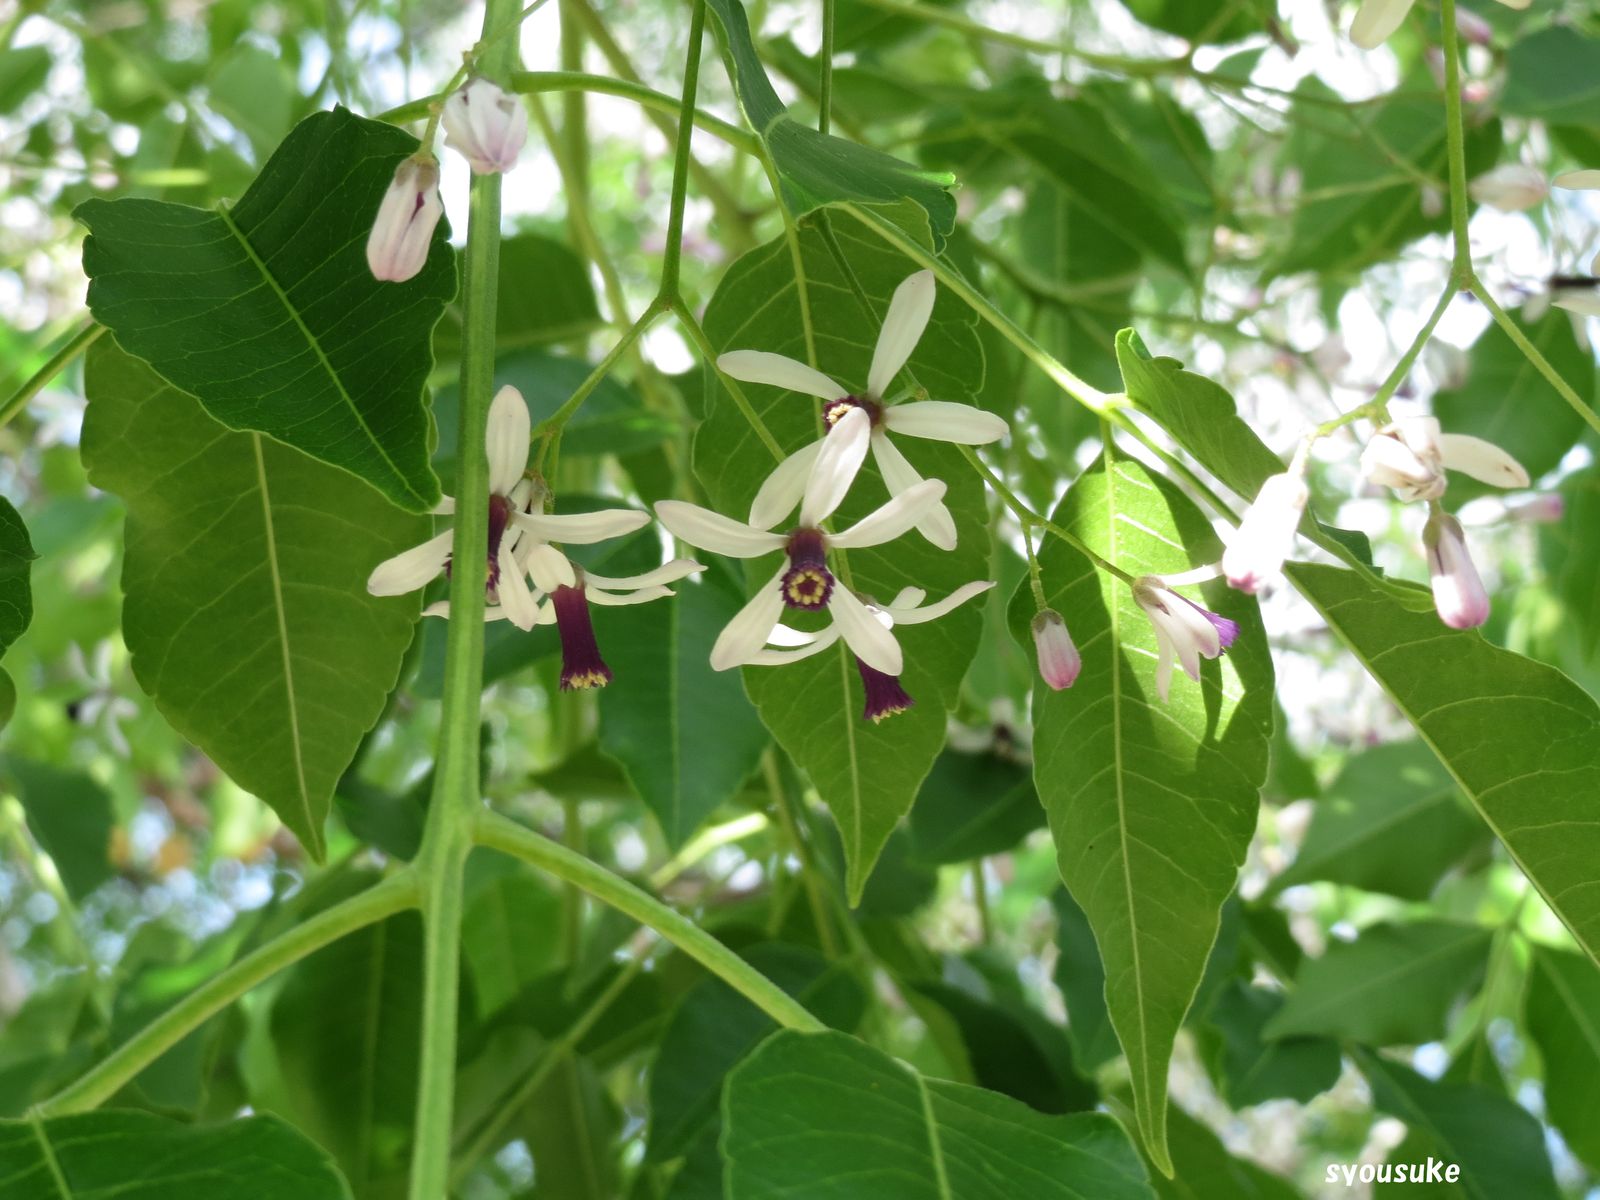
point(16, 594)
point(247, 614)
point(1554, 74)
point(140, 1156)
point(1151, 805)
point(867, 774)
point(815, 169)
point(1563, 1017)
point(1520, 738)
point(70, 817)
point(1207, 1171)
point(282, 329)
point(815, 1116)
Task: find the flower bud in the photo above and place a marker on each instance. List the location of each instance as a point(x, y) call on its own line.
point(487, 125)
point(1458, 592)
point(1264, 538)
point(397, 248)
point(1406, 456)
point(1059, 661)
point(1510, 187)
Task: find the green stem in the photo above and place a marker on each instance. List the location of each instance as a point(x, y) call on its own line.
point(447, 836)
point(1455, 144)
point(1531, 352)
point(77, 344)
point(683, 153)
point(980, 900)
point(501, 833)
point(1377, 409)
point(742, 402)
point(802, 851)
point(392, 895)
point(825, 85)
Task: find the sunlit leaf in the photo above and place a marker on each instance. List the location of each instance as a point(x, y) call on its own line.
point(1563, 1018)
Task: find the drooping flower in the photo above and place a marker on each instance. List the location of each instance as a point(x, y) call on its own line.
point(1411, 455)
point(1265, 536)
point(398, 245)
point(1059, 660)
point(506, 588)
point(568, 607)
point(1377, 19)
point(884, 695)
point(1184, 630)
point(938, 420)
point(805, 582)
point(1458, 593)
point(1510, 187)
point(487, 125)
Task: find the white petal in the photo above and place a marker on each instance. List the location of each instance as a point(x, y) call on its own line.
point(409, 570)
point(1376, 21)
point(581, 528)
point(937, 525)
point(1164, 656)
point(932, 612)
point(746, 634)
point(678, 568)
point(445, 507)
point(549, 567)
point(779, 370)
point(782, 635)
point(869, 640)
point(893, 519)
point(942, 421)
point(907, 598)
point(841, 456)
point(439, 608)
point(520, 607)
point(782, 489)
point(777, 658)
point(1579, 180)
point(909, 310)
point(642, 596)
point(1484, 461)
point(715, 532)
point(507, 440)
point(1585, 303)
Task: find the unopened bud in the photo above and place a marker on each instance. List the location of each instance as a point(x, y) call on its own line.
point(1059, 661)
point(1264, 538)
point(1458, 592)
point(397, 248)
point(487, 125)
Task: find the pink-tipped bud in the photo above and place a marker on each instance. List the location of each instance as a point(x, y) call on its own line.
point(1543, 508)
point(1266, 535)
point(487, 125)
point(1458, 592)
point(397, 248)
point(1059, 661)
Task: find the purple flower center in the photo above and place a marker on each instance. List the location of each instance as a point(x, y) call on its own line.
point(499, 518)
point(885, 696)
point(581, 664)
point(808, 583)
point(834, 411)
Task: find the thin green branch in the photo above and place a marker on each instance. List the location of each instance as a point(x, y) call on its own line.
point(392, 895)
point(501, 833)
point(87, 334)
point(1531, 352)
point(1455, 144)
point(673, 253)
point(742, 402)
point(1377, 409)
point(557, 420)
point(802, 851)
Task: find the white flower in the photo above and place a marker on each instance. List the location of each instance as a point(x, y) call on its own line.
point(1411, 455)
point(1377, 19)
point(804, 582)
point(1265, 536)
point(486, 125)
point(1059, 660)
point(398, 245)
point(937, 420)
point(1510, 187)
point(103, 707)
point(1184, 630)
point(506, 440)
point(884, 695)
point(1458, 593)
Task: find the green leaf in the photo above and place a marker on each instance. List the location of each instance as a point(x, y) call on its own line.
point(1563, 1018)
point(1570, 554)
point(1510, 404)
point(23, 70)
point(1554, 74)
point(816, 169)
point(1082, 980)
point(1151, 804)
point(281, 328)
point(547, 297)
point(1252, 1069)
point(810, 1116)
point(346, 1026)
point(1205, 23)
point(1393, 822)
point(70, 816)
point(255, 91)
point(247, 612)
point(972, 806)
point(16, 592)
point(1206, 1171)
point(510, 929)
point(686, 735)
point(867, 774)
point(714, 1028)
point(138, 1156)
point(1393, 985)
point(1520, 738)
point(1497, 1143)
point(572, 1126)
